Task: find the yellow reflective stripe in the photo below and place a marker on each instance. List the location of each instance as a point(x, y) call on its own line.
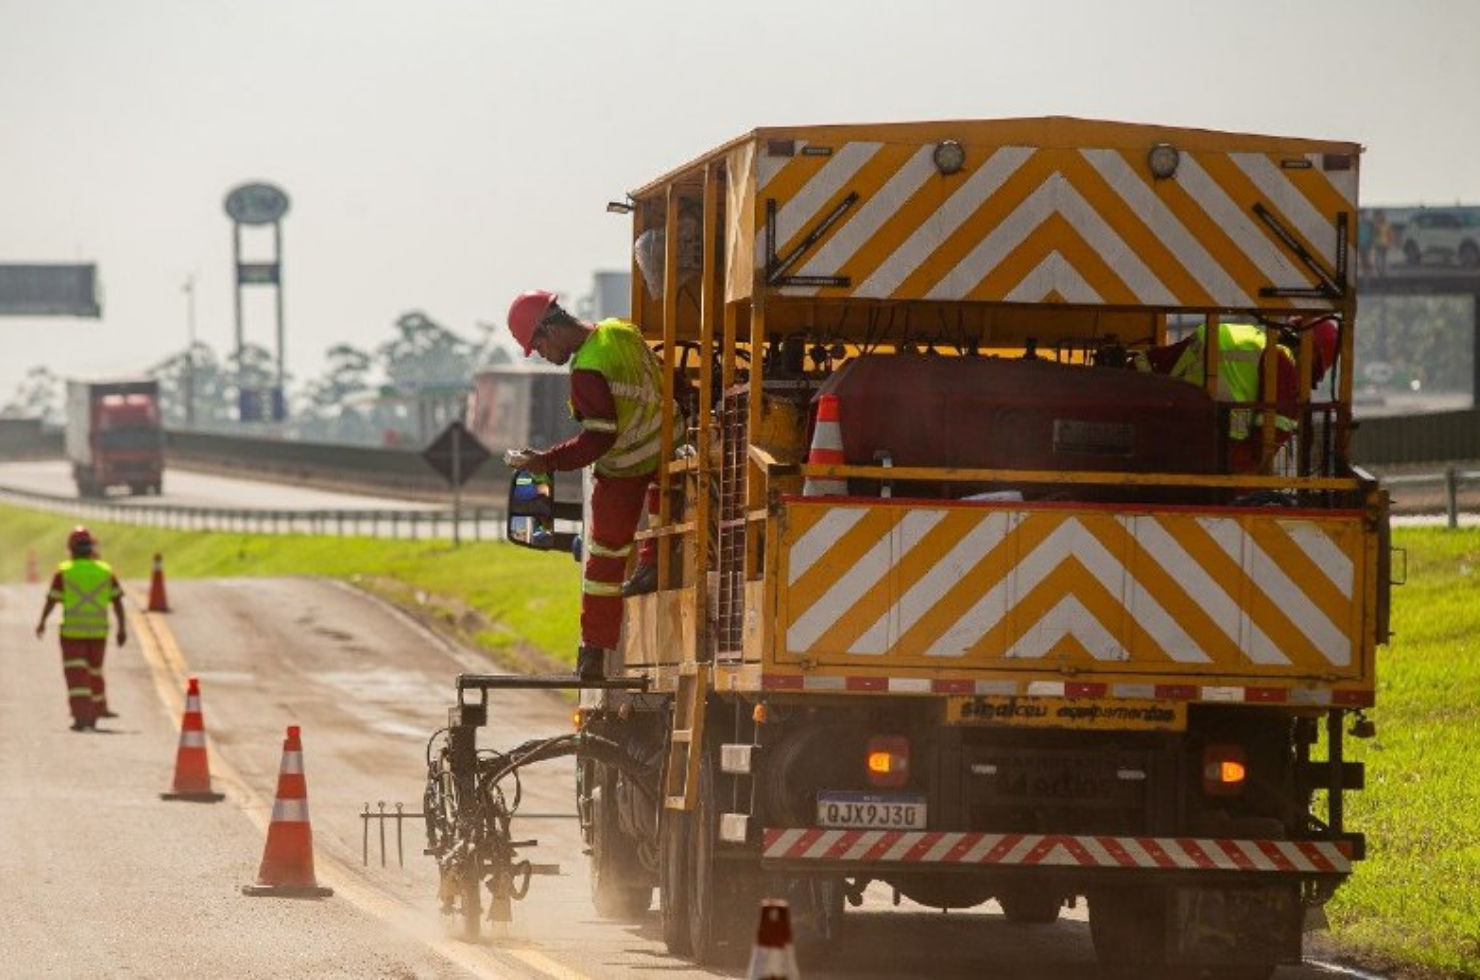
point(601, 588)
point(597, 551)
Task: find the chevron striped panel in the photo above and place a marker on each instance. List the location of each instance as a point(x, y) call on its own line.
point(1026, 224)
point(960, 585)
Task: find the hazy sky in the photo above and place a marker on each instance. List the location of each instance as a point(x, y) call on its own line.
point(443, 155)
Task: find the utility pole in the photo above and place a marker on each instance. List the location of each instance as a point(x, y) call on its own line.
point(189, 386)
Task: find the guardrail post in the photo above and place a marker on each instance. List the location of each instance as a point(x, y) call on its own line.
point(1451, 489)
point(339, 522)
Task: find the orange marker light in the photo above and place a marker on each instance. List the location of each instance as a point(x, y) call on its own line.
point(887, 760)
point(1225, 770)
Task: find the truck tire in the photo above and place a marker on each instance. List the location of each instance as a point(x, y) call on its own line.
point(1031, 906)
point(1128, 928)
point(722, 908)
point(614, 862)
point(673, 879)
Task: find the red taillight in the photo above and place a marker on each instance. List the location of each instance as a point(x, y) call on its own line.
point(1224, 770)
point(887, 760)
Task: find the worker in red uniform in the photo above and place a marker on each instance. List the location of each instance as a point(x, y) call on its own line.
point(616, 393)
point(1241, 350)
point(84, 586)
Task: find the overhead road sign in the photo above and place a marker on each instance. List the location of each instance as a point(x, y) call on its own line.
point(49, 290)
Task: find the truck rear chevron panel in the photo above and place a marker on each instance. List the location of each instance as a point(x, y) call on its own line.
point(963, 586)
point(1027, 224)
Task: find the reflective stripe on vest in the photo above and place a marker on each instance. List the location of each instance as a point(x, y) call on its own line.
point(615, 350)
point(87, 588)
point(1240, 350)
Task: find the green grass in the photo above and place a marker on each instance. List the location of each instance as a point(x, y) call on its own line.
point(1417, 898)
point(1415, 901)
point(501, 598)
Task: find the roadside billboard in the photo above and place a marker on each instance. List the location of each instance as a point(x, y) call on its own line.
point(49, 290)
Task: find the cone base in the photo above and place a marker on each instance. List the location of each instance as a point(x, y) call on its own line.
point(287, 891)
point(199, 797)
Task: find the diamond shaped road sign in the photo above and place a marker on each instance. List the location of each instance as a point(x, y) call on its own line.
point(456, 454)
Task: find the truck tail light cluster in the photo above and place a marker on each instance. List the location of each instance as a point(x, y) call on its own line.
point(888, 760)
point(1225, 770)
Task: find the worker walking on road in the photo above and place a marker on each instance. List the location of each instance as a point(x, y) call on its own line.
point(616, 393)
point(84, 586)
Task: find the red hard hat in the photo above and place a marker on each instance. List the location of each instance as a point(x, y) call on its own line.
point(525, 314)
point(1326, 335)
point(80, 540)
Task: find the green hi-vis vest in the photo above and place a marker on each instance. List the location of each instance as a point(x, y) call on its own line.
point(87, 590)
point(616, 351)
point(1240, 348)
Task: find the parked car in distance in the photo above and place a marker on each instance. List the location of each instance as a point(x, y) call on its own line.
point(1443, 236)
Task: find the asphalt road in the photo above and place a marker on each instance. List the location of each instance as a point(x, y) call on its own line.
point(106, 880)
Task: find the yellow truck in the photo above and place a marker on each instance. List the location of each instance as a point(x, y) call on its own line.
point(952, 598)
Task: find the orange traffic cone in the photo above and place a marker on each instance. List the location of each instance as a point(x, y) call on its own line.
point(773, 957)
point(287, 860)
point(827, 450)
point(33, 575)
point(157, 600)
point(192, 769)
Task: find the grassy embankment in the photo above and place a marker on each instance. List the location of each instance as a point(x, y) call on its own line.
point(506, 600)
point(1415, 901)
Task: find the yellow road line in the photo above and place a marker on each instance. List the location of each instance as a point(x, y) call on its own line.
point(169, 669)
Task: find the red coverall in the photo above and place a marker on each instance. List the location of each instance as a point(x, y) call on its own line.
point(616, 506)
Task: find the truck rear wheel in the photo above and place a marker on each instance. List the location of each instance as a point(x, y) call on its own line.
point(615, 865)
point(1128, 928)
point(722, 907)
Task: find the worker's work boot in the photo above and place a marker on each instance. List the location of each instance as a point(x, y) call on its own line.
point(644, 580)
point(591, 663)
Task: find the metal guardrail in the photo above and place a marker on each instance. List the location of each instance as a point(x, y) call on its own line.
point(477, 523)
point(1452, 479)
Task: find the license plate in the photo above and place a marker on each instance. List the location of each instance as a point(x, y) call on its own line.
point(875, 811)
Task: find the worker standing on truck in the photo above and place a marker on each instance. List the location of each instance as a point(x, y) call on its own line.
point(1241, 350)
point(616, 393)
point(85, 586)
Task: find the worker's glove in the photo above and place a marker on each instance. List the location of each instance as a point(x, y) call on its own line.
point(122, 636)
point(516, 458)
point(525, 459)
point(40, 630)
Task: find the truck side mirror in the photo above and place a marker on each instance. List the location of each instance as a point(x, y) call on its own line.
point(533, 512)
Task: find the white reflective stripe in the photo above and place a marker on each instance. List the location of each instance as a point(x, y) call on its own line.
point(290, 811)
point(74, 663)
point(805, 206)
point(862, 845)
point(1163, 222)
point(1056, 195)
point(768, 166)
point(601, 588)
point(1323, 553)
point(1211, 597)
point(820, 537)
point(908, 685)
point(1222, 694)
point(862, 226)
point(192, 739)
point(1240, 226)
point(1068, 617)
point(1008, 688)
point(822, 682)
point(842, 596)
point(599, 425)
point(1053, 275)
point(1291, 205)
point(599, 551)
point(944, 575)
point(1267, 575)
point(1142, 692)
point(292, 764)
point(904, 537)
point(946, 219)
point(1045, 689)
